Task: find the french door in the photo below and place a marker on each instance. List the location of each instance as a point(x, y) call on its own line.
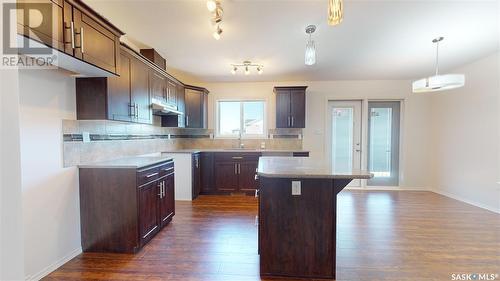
point(345, 136)
point(383, 142)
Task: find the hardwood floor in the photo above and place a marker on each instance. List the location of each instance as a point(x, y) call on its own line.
point(382, 235)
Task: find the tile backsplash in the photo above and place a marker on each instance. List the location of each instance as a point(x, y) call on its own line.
point(109, 140)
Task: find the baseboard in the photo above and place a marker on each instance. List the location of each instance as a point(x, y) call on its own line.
point(397, 188)
point(459, 198)
point(44, 272)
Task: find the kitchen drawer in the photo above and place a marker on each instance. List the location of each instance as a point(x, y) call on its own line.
point(145, 176)
point(236, 156)
point(167, 168)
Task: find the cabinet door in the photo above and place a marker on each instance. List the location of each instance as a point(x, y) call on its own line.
point(148, 210)
point(298, 108)
point(139, 85)
point(194, 100)
point(167, 201)
point(49, 32)
point(226, 176)
point(157, 85)
point(172, 93)
point(119, 105)
point(170, 194)
point(283, 109)
point(196, 181)
point(69, 43)
point(181, 106)
point(94, 43)
point(246, 173)
point(207, 172)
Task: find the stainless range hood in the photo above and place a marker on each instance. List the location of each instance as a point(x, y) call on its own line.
point(160, 107)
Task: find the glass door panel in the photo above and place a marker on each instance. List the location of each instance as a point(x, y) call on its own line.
point(383, 142)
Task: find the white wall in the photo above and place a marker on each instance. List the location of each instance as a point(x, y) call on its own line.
point(465, 136)
point(415, 127)
point(51, 213)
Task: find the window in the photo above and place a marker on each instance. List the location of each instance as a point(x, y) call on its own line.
point(245, 117)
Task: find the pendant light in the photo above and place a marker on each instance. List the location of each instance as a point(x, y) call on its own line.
point(310, 56)
point(335, 12)
point(438, 82)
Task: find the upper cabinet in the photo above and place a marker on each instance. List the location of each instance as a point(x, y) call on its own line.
point(153, 56)
point(196, 103)
point(122, 98)
point(290, 107)
point(76, 30)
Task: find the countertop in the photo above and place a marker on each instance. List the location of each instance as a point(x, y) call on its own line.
point(128, 162)
point(302, 167)
point(233, 150)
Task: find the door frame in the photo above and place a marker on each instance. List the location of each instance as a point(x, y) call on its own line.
point(364, 136)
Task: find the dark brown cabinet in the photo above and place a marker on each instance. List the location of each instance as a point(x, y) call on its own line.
point(235, 172)
point(196, 100)
point(207, 173)
point(71, 27)
point(121, 209)
point(290, 107)
point(196, 173)
point(51, 33)
point(122, 98)
point(167, 199)
point(148, 209)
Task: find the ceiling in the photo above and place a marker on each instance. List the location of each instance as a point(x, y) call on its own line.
point(377, 39)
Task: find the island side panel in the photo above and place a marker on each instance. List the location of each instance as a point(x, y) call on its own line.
point(297, 232)
point(108, 210)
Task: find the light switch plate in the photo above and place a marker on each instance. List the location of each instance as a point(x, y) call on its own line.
point(296, 188)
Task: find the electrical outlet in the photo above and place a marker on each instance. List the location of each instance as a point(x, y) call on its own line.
point(296, 188)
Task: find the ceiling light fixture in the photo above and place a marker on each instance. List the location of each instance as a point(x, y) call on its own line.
point(247, 65)
point(335, 12)
point(310, 56)
point(438, 82)
point(217, 33)
point(214, 6)
point(211, 5)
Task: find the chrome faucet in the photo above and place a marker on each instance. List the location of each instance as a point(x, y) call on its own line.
point(241, 144)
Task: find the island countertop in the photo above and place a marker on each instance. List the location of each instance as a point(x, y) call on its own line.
point(303, 167)
point(127, 162)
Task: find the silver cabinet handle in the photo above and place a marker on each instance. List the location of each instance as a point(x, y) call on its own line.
point(256, 193)
point(168, 169)
point(288, 121)
point(292, 121)
point(151, 175)
point(256, 177)
point(161, 192)
point(81, 40)
point(187, 120)
point(72, 26)
point(239, 169)
point(163, 188)
point(237, 157)
point(235, 169)
point(136, 111)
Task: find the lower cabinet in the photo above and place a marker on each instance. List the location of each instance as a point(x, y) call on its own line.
point(235, 172)
point(121, 209)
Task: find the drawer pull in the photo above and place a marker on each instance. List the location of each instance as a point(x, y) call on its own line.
point(168, 169)
point(151, 175)
point(237, 157)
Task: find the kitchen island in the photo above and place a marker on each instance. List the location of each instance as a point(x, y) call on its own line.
point(297, 216)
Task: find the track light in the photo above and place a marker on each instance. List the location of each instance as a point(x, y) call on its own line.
point(247, 71)
point(233, 71)
point(211, 5)
point(259, 69)
point(246, 65)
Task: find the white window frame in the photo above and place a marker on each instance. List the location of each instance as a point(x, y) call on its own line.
point(243, 135)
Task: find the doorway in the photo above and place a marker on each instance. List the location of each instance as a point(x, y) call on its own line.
point(383, 142)
point(345, 135)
